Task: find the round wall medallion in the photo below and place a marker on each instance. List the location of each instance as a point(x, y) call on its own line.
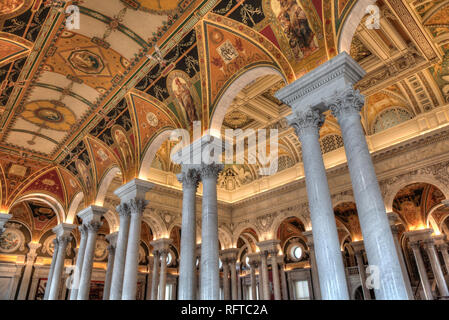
point(11, 240)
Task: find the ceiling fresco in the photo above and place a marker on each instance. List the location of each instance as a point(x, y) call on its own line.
point(414, 203)
point(76, 103)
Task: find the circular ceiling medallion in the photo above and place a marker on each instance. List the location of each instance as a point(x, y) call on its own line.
point(10, 6)
point(49, 115)
point(152, 119)
point(216, 36)
point(236, 119)
point(86, 61)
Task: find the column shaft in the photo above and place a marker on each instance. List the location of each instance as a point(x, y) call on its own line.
point(327, 247)
point(59, 268)
point(402, 263)
point(154, 282)
point(234, 290)
point(79, 264)
point(253, 282)
point(163, 275)
point(187, 265)
point(52, 268)
point(362, 273)
point(86, 273)
point(210, 278)
point(276, 282)
point(284, 282)
point(120, 253)
point(108, 277)
point(226, 291)
point(422, 271)
point(436, 268)
point(132, 251)
point(377, 237)
point(265, 280)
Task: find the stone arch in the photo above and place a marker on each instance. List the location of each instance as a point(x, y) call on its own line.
point(73, 207)
point(225, 237)
point(237, 232)
point(351, 23)
point(340, 198)
point(113, 221)
point(156, 225)
point(432, 223)
point(104, 185)
point(392, 190)
point(48, 200)
point(223, 103)
point(303, 216)
point(150, 153)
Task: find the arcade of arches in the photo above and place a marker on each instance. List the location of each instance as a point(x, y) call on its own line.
point(93, 207)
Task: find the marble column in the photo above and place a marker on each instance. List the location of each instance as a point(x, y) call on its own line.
point(133, 194)
point(63, 234)
point(187, 268)
point(393, 218)
point(120, 252)
point(163, 274)
point(264, 273)
point(415, 238)
point(162, 246)
point(272, 248)
point(429, 246)
point(149, 277)
point(91, 217)
point(210, 279)
point(233, 267)
point(306, 97)
point(443, 247)
point(281, 264)
point(31, 257)
point(327, 248)
point(313, 266)
point(52, 268)
point(79, 263)
point(226, 288)
point(358, 247)
point(3, 219)
point(154, 279)
point(422, 270)
point(378, 240)
point(112, 239)
point(253, 262)
point(239, 283)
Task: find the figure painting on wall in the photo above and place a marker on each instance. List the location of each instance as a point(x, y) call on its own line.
point(84, 172)
point(124, 146)
point(185, 99)
point(295, 24)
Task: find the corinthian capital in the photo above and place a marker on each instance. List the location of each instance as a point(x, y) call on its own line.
point(137, 206)
point(94, 226)
point(64, 240)
point(189, 177)
point(123, 210)
point(347, 102)
point(210, 170)
point(305, 121)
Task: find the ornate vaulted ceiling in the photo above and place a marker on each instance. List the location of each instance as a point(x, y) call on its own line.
point(79, 104)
